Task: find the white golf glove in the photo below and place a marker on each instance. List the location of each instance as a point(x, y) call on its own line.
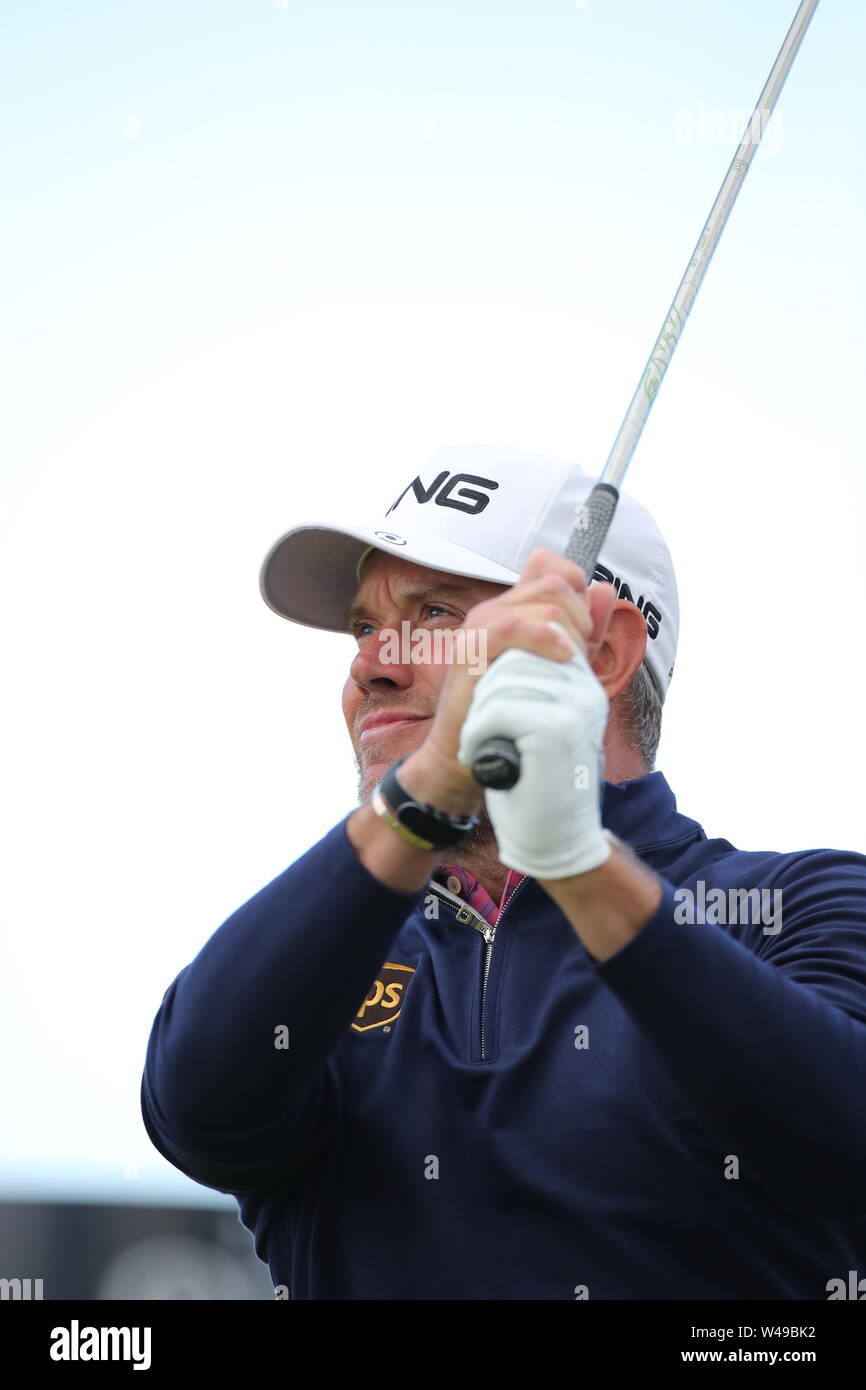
point(548, 825)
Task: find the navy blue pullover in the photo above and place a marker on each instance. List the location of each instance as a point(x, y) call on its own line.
point(686, 1119)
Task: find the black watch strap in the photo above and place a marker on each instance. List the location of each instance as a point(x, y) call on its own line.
point(421, 825)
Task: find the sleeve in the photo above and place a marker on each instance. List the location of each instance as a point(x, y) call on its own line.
point(220, 1099)
point(768, 1044)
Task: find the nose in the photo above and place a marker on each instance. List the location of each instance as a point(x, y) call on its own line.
point(374, 666)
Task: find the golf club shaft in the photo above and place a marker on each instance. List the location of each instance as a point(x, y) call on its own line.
point(497, 763)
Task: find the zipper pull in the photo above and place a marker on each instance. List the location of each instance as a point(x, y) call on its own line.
point(465, 914)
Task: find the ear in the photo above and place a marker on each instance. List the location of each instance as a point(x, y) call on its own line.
point(622, 647)
point(602, 601)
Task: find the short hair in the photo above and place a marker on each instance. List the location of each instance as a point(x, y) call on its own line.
point(642, 710)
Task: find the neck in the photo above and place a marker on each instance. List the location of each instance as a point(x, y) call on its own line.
point(479, 853)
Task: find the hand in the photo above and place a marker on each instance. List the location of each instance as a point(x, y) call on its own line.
point(550, 589)
point(549, 824)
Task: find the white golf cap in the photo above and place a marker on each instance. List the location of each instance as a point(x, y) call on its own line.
point(479, 510)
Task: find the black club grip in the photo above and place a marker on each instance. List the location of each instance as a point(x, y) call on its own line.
point(497, 762)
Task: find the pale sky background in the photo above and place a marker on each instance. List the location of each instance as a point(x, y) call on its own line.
point(259, 261)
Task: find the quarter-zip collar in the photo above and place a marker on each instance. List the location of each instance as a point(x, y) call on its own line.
point(643, 812)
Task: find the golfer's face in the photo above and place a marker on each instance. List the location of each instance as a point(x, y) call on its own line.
point(388, 698)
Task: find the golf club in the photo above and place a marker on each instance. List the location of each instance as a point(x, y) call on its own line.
point(497, 763)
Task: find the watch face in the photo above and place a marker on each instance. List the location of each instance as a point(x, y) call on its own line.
point(414, 818)
point(429, 824)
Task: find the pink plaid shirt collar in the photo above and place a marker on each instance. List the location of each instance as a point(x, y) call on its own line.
point(460, 881)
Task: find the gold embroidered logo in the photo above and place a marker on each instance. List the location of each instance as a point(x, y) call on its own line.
point(385, 997)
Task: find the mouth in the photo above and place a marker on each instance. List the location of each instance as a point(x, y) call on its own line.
point(374, 732)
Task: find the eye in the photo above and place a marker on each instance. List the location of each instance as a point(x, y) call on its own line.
point(361, 623)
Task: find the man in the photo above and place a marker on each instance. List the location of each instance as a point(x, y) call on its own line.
point(547, 1043)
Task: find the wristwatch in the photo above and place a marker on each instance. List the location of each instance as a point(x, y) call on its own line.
point(420, 825)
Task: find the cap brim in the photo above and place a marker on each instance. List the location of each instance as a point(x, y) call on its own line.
point(310, 574)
